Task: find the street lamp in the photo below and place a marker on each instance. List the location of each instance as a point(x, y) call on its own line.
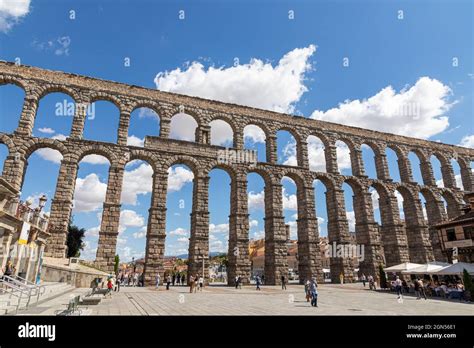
point(42, 202)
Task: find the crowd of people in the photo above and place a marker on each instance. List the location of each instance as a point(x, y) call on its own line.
point(432, 288)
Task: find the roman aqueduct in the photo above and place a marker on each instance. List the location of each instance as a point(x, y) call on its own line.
point(393, 241)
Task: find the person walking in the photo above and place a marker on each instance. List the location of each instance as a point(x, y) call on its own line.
point(135, 279)
point(168, 282)
point(398, 287)
point(283, 282)
point(201, 283)
point(174, 279)
point(417, 289)
point(307, 290)
point(178, 279)
point(364, 279)
point(191, 284)
point(9, 269)
point(183, 278)
point(239, 281)
point(158, 279)
point(421, 288)
point(314, 293)
point(196, 282)
point(258, 281)
point(341, 278)
point(236, 281)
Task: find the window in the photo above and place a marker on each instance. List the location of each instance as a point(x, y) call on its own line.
point(468, 232)
point(451, 234)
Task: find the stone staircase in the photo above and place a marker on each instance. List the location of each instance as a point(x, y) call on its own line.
point(9, 303)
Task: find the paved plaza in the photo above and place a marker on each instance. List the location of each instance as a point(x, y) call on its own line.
point(348, 299)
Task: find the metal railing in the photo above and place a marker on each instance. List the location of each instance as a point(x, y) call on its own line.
point(13, 285)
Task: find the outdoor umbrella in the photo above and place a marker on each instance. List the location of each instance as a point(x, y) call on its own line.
point(427, 268)
point(406, 266)
point(456, 268)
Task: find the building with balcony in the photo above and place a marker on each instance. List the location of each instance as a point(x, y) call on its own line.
point(23, 233)
point(457, 235)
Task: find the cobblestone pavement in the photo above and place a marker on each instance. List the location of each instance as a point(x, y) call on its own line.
point(348, 299)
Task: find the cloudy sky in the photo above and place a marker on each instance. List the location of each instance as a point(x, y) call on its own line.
point(358, 64)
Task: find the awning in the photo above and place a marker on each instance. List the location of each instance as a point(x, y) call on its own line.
point(402, 267)
point(428, 268)
point(457, 268)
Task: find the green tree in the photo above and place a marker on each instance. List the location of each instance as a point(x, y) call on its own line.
point(116, 264)
point(74, 240)
point(383, 278)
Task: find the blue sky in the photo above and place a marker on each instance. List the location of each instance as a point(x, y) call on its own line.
point(340, 61)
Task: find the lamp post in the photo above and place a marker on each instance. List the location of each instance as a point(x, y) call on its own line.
point(42, 202)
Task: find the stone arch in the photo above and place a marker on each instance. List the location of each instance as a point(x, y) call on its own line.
point(142, 155)
point(6, 80)
point(97, 150)
point(33, 145)
point(8, 142)
point(191, 162)
point(101, 96)
point(193, 116)
point(293, 133)
point(454, 205)
point(313, 156)
point(144, 103)
point(43, 92)
point(262, 150)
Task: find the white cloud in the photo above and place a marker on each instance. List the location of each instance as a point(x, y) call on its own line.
point(11, 11)
point(351, 220)
point(253, 223)
point(258, 235)
point(255, 84)
point(140, 234)
point(132, 140)
point(130, 218)
point(254, 134)
point(317, 160)
point(289, 201)
point(93, 231)
point(179, 232)
point(95, 159)
point(467, 141)
point(138, 181)
point(289, 153)
point(89, 193)
point(183, 127)
point(183, 240)
point(46, 130)
point(256, 201)
point(418, 111)
point(221, 133)
point(220, 228)
point(343, 156)
point(178, 177)
point(59, 46)
point(50, 154)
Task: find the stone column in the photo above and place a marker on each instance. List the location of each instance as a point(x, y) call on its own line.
point(109, 227)
point(467, 176)
point(238, 255)
point(28, 113)
point(394, 238)
point(271, 147)
point(448, 175)
point(357, 163)
point(203, 135)
point(5, 247)
point(436, 214)
point(309, 254)
point(79, 120)
point(338, 235)
point(124, 124)
point(381, 166)
point(367, 234)
point(14, 169)
point(165, 127)
point(427, 172)
point(61, 208)
point(302, 154)
point(276, 250)
point(238, 141)
point(419, 245)
point(404, 168)
point(156, 230)
point(330, 154)
point(199, 240)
